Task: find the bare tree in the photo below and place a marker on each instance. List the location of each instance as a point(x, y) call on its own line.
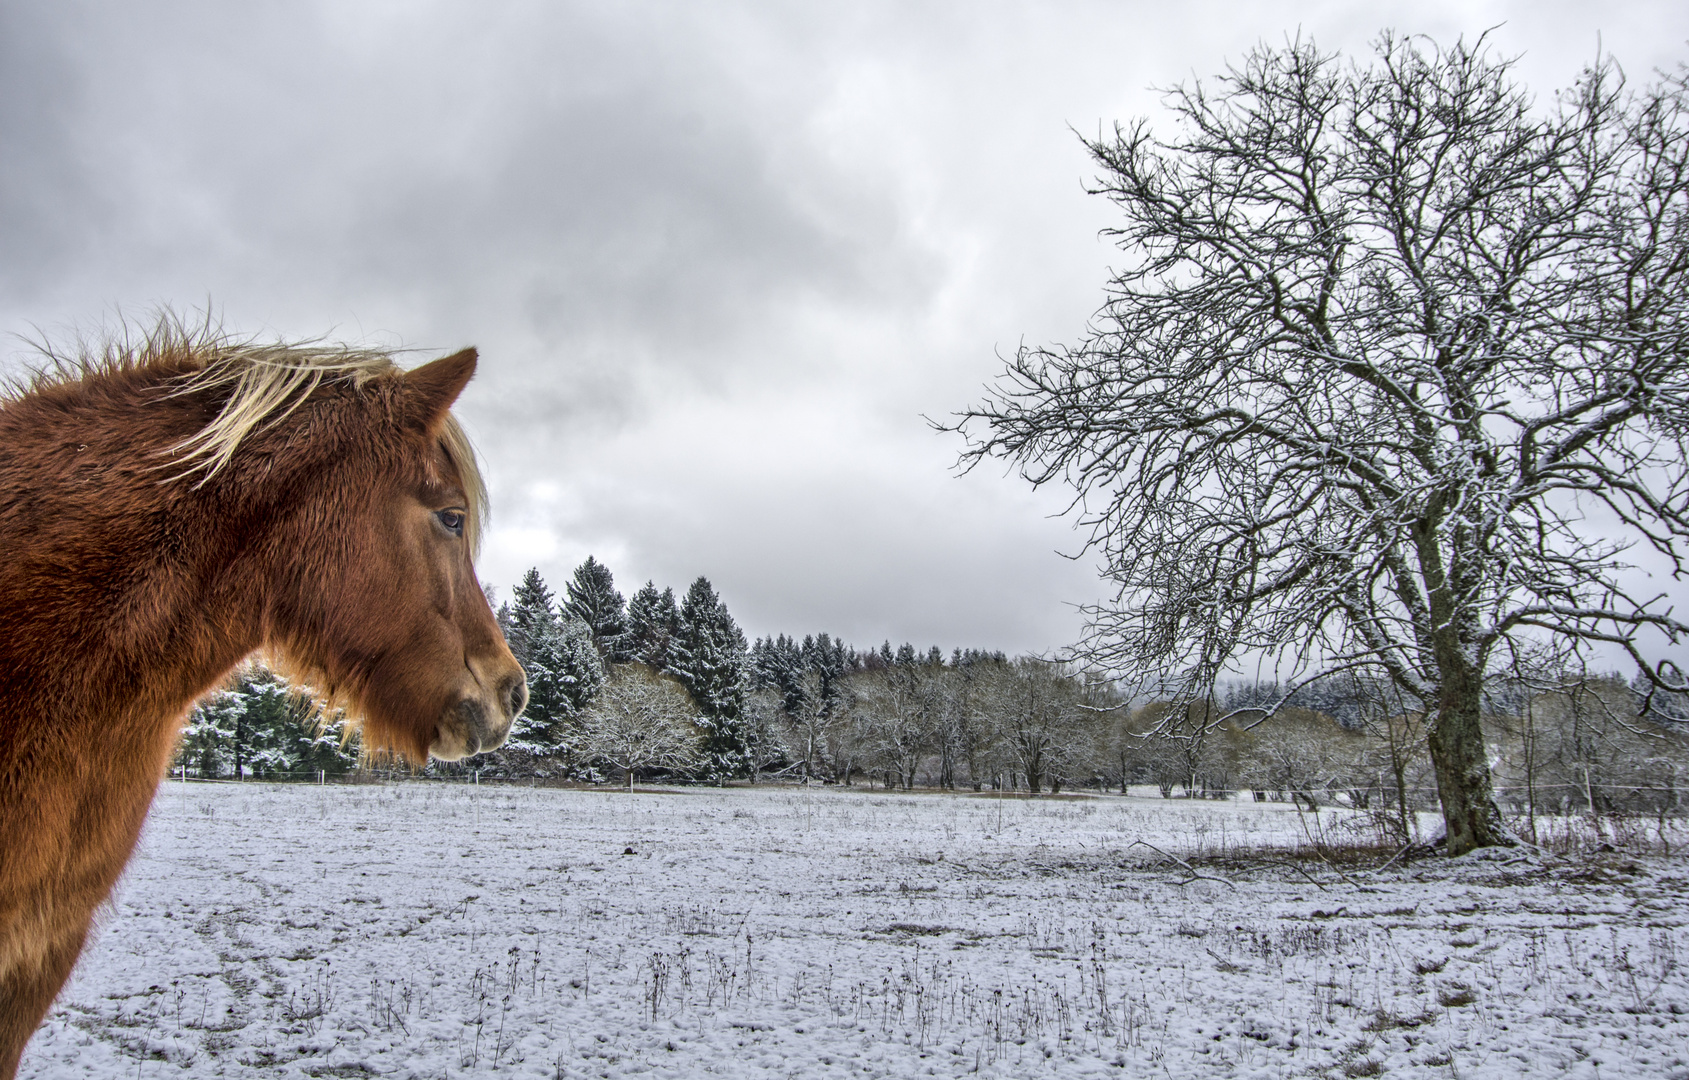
point(768, 730)
point(1385, 335)
point(1301, 753)
point(893, 714)
point(1182, 751)
point(953, 728)
point(1393, 759)
point(1107, 716)
point(1041, 731)
point(969, 722)
point(642, 719)
point(813, 718)
point(1595, 750)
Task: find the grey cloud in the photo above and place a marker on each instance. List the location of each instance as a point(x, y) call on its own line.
point(817, 543)
point(45, 202)
point(610, 198)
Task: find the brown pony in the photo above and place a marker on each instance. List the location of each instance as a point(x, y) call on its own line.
point(168, 509)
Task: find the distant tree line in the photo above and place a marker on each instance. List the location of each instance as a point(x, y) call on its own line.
point(659, 688)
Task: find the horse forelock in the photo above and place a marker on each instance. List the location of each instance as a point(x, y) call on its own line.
point(460, 452)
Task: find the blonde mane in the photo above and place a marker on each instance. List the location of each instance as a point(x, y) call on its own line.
point(264, 383)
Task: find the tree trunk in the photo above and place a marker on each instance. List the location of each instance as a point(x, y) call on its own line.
point(1530, 766)
point(1398, 769)
point(1462, 765)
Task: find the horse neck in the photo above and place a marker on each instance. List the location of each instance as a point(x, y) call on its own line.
point(121, 599)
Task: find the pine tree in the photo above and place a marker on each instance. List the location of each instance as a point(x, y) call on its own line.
point(830, 659)
point(709, 658)
point(563, 668)
point(273, 722)
point(777, 664)
point(530, 612)
point(564, 673)
point(593, 599)
point(652, 620)
point(322, 745)
point(208, 741)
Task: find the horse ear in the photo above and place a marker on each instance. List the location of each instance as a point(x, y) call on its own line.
point(431, 388)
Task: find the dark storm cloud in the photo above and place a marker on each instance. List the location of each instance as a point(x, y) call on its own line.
point(719, 257)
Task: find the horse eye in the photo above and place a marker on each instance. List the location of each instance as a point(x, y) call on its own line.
point(452, 520)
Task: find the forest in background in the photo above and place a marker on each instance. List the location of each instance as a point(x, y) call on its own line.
point(659, 688)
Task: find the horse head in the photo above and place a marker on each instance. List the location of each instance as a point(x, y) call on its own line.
point(386, 617)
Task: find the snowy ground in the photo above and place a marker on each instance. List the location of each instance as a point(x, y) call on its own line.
point(425, 930)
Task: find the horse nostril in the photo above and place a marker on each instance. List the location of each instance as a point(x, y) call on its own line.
point(516, 695)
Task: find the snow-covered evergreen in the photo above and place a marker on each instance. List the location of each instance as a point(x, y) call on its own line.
point(563, 667)
point(531, 608)
point(709, 657)
point(209, 740)
point(593, 599)
point(652, 620)
point(777, 664)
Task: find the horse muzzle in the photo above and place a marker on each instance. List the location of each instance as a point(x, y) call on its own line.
point(475, 725)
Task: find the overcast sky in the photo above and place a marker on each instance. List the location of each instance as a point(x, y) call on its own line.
point(719, 258)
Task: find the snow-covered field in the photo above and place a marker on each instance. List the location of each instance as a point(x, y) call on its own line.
point(429, 930)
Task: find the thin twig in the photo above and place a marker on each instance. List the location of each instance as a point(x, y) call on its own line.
point(1299, 870)
point(1193, 871)
point(1392, 858)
